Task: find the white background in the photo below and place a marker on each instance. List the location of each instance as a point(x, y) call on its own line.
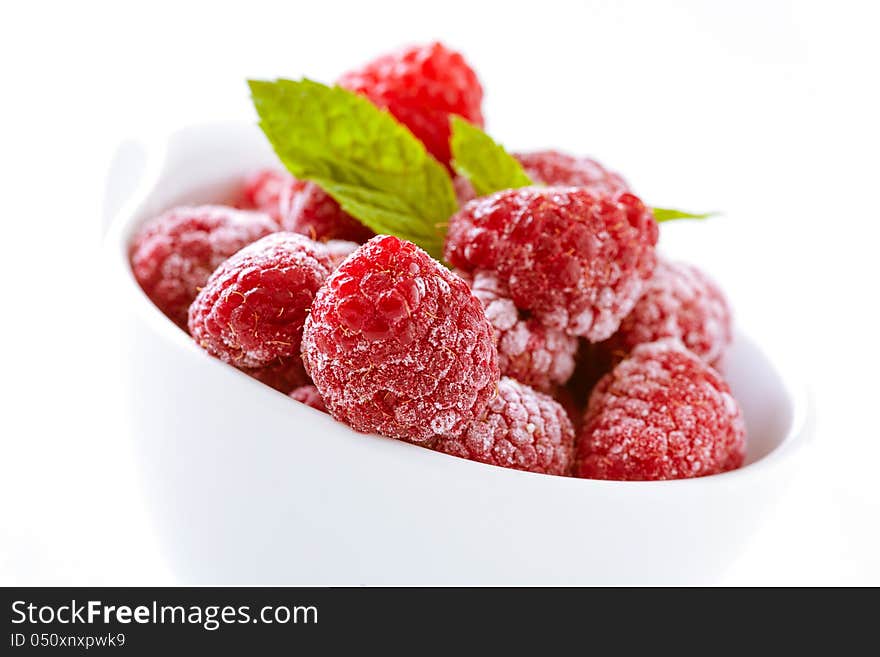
point(766, 110)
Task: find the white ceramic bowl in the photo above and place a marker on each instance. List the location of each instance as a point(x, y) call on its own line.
point(248, 486)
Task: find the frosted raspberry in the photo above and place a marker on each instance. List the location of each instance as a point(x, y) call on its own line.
point(338, 250)
point(555, 168)
point(263, 190)
point(521, 429)
point(662, 413)
point(251, 311)
point(283, 374)
point(576, 260)
point(396, 344)
point(309, 396)
point(422, 86)
point(307, 209)
point(528, 351)
point(173, 255)
point(679, 301)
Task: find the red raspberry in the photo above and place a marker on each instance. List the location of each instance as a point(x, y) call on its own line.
point(307, 209)
point(396, 344)
point(283, 374)
point(679, 301)
point(251, 311)
point(422, 86)
point(309, 396)
point(263, 190)
point(528, 351)
point(662, 413)
point(555, 168)
point(576, 260)
point(173, 255)
point(521, 429)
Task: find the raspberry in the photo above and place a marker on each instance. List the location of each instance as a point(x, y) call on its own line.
point(679, 301)
point(576, 260)
point(555, 168)
point(173, 255)
point(307, 209)
point(422, 86)
point(251, 311)
point(662, 413)
point(396, 344)
point(521, 429)
point(338, 250)
point(263, 189)
point(528, 351)
point(309, 396)
point(283, 374)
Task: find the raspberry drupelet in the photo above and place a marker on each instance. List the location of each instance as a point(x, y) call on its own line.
point(521, 429)
point(309, 396)
point(577, 261)
point(397, 345)
point(422, 86)
point(528, 351)
point(662, 413)
point(252, 309)
point(679, 301)
point(173, 255)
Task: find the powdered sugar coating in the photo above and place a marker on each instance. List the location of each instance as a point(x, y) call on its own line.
point(252, 309)
point(679, 301)
point(554, 168)
point(309, 396)
point(521, 429)
point(173, 255)
point(422, 86)
point(397, 345)
point(662, 413)
point(576, 260)
point(528, 351)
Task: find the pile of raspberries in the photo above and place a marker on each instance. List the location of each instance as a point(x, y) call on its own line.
point(553, 339)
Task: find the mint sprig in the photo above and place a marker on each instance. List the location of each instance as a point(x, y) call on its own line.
point(671, 214)
point(483, 161)
point(368, 162)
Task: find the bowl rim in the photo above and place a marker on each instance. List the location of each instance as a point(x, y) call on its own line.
point(156, 150)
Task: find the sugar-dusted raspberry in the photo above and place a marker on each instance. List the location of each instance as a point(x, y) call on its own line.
point(521, 429)
point(422, 86)
point(555, 168)
point(283, 374)
point(309, 396)
point(263, 190)
point(173, 255)
point(662, 413)
point(251, 311)
point(679, 301)
point(307, 209)
point(464, 190)
point(576, 260)
point(396, 344)
point(528, 351)
point(338, 250)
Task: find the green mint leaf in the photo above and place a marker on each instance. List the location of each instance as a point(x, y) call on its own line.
point(670, 214)
point(483, 161)
point(372, 165)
